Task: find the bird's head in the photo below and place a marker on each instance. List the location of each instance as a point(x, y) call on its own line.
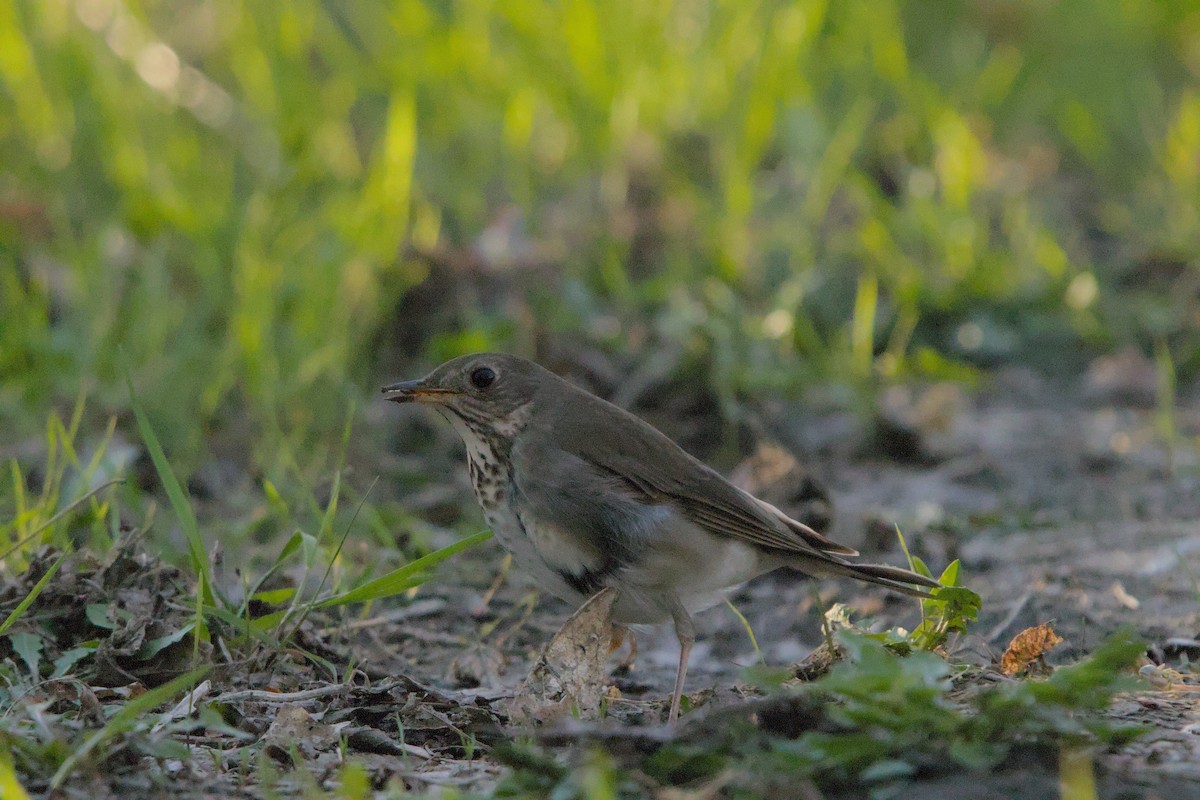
point(485, 390)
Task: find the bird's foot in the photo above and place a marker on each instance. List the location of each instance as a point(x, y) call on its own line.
point(620, 634)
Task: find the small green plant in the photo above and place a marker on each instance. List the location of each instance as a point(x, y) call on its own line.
point(890, 717)
point(873, 722)
point(131, 716)
point(43, 518)
point(950, 610)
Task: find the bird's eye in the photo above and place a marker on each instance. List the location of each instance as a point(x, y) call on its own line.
point(483, 377)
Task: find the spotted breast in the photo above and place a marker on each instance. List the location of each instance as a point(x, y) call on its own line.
point(490, 466)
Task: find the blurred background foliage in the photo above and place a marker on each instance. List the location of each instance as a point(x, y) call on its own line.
point(267, 209)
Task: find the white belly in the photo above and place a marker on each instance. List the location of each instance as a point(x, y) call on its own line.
point(690, 564)
point(509, 532)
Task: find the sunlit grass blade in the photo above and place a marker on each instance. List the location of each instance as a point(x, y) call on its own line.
point(749, 630)
point(401, 580)
point(862, 324)
point(33, 595)
point(10, 787)
point(179, 499)
point(1076, 774)
point(308, 607)
point(74, 504)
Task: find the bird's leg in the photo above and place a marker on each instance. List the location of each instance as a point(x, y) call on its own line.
point(482, 609)
point(686, 632)
point(620, 633)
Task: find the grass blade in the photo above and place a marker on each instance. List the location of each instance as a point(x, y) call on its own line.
point(179, 499)
point(10, 787)
point(126, 719)
point(74, 504)
point(308, 607)
point(749, 630)
point(401, 580)
point(33, 594)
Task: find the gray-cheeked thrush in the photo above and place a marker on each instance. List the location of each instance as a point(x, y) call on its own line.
point(585, 496)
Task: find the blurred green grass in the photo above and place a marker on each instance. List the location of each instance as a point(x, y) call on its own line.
point(242, 195)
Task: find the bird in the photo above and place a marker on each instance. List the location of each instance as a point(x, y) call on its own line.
point(586, 496)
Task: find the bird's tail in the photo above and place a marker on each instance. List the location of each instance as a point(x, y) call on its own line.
point(897, 579)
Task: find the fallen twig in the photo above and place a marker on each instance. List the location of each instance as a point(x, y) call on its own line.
point(264, 696)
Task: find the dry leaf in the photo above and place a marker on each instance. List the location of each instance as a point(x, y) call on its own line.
point(818, 662)
point(1162, 677)
point(1124, 597)
point(478, 664)
point(294, 730)
point(1028, 646)
point(572, 670)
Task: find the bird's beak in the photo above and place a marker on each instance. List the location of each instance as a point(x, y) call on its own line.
point(415, 392)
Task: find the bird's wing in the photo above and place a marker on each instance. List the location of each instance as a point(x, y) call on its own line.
point(646, 467)
point(657, 471)
point(582, 520)
point(718, 506)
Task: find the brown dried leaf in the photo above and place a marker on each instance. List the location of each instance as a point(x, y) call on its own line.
point(571, 671)
point(818, 662)
point(478, 664)
point(293, 723)
point(1028, 646)
point(294, 730)
point(1124, 597)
